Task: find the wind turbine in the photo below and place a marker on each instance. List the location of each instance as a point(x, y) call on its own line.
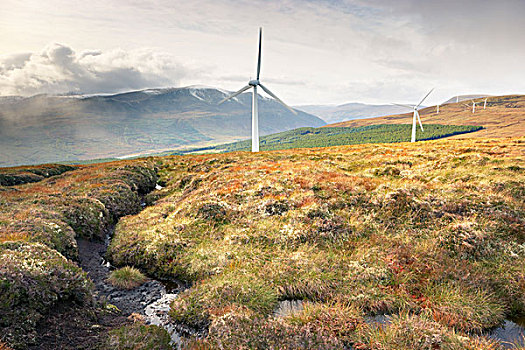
point(485, 103)
point(473, 106)
point(255, 112)
point(415, 108)
point(437, 109)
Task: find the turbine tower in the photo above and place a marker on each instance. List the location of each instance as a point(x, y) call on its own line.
point(437, 109)
point(255, 112)
point(415, 108)
point(485, 103)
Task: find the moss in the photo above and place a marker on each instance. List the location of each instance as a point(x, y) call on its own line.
point(118, 198)
point(33, 279)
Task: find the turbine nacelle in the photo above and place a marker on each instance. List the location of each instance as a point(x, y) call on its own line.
point(254, 82)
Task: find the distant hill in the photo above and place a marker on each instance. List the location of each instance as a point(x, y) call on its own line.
point(327, 137)
point(349, 111)
point(46, 128)
point(463, 98)
point(503, 117)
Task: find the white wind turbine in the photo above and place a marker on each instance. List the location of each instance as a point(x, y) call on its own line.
point(415, 108)
point(473, 106)
point(485, 103)
point(255, 112)
point(437, 109)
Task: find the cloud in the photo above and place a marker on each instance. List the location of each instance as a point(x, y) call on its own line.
point(59, 69)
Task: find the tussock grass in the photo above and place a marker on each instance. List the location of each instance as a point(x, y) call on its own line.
point(137, 337)
point(430, 233)
point(126, 277)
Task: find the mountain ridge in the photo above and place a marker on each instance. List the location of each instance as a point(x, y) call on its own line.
point(50, 128)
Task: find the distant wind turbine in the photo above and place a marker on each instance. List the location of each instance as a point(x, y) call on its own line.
point(255, 112)
point(485, 103)
point(437, 109)
point(473, 106)
point(415, 108)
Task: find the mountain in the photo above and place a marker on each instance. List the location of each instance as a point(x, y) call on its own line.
point(46, 128)
point(349, 111)
point(504, 116)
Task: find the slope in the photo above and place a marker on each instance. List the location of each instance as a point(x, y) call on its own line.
point(503, 117)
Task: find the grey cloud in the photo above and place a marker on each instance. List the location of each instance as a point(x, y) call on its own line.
point(59, 69)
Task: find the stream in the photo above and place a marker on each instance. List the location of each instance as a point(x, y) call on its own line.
point(151, 300)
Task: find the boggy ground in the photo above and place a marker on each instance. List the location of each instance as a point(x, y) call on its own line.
point(49, 231)
point(430, 233)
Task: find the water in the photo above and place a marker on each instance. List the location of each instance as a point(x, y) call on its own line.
point(156, 314)
point(288, 307)
point(511, 334)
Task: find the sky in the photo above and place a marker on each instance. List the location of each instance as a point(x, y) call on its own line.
point(314, 52)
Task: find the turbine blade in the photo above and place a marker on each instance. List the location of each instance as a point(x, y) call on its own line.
point(277, 98)
point(235, 94)
point(424, 98)
point(401, 105)
point(419, 120)
point(259, 58)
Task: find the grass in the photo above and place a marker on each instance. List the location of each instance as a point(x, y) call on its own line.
point(24, 174)
point(428, 233)
point(39, 225)
point(137, 337)
point(126, 278)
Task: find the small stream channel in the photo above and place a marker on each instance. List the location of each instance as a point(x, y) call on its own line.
point(151, 300)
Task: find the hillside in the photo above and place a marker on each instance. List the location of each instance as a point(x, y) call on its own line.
point(349, 111)
point(326, 137)
point(504, 117)
point(44, 128)
point(370, 246)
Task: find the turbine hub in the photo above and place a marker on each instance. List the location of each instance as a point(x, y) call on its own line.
point(254, 82)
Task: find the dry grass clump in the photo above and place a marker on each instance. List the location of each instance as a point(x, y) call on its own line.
point(237, 331)
point(137, 337)
point(434, 229)
point(405, 331)
point(3, 346)
point(127, 277)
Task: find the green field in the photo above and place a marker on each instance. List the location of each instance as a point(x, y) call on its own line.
point(325, 137)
